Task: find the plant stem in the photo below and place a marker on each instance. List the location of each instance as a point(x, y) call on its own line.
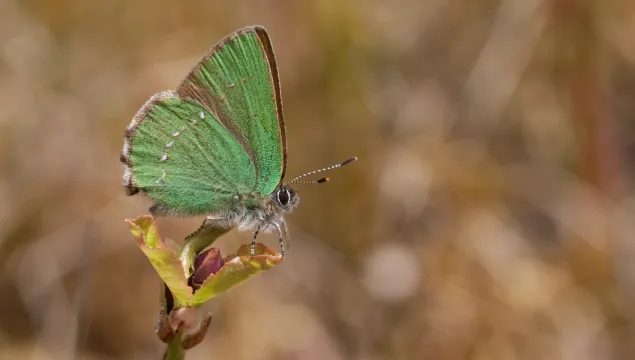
point(174, 350)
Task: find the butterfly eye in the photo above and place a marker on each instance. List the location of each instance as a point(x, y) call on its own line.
point(284, 196)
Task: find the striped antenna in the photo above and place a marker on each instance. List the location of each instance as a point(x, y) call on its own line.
point(318, 181)
point(322, 180)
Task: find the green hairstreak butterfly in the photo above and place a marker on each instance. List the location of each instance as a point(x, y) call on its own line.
point(216, 145)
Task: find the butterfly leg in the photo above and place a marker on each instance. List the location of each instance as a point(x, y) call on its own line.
point(213, 219)
point(253, 243)
point(208, 220)
point(280, 238)
point(287, 237)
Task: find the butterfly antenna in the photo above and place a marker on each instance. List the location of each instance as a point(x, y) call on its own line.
point(322, 180)
point(318, 181)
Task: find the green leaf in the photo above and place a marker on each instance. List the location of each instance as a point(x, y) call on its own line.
point(164, 259)
point(237, 269)
point(169, 263)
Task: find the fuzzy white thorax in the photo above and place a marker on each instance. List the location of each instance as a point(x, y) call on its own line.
point(266, 217)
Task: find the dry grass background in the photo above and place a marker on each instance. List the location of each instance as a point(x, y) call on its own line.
point(490, 215)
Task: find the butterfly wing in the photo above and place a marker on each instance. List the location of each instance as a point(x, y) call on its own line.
point(238, 82)
point(182, 157)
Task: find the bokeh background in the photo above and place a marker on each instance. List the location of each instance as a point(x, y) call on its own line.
point(490, 215)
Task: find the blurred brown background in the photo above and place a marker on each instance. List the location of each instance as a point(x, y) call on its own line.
point(490, 215)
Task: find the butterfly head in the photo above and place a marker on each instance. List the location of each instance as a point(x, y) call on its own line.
point(286, 198)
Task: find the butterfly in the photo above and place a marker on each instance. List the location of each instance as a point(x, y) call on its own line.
point(216, 146)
